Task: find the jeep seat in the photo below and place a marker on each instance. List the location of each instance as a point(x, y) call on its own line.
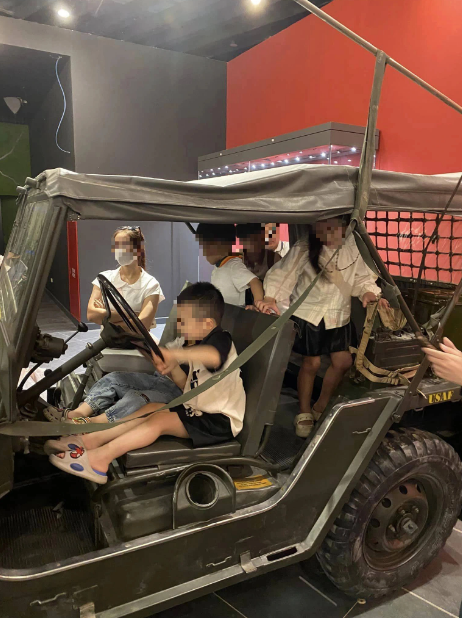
point(262, 376)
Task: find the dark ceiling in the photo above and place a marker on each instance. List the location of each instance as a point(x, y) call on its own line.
point(220, 29)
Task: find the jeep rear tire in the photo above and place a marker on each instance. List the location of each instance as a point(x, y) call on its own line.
point(397, 518)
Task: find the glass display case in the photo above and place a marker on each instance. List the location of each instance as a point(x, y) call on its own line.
point(328, 144)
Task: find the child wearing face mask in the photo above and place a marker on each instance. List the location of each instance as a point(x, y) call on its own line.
point(323, 319)
point(141, 290)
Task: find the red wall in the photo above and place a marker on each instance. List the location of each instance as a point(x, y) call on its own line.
point(309, 74)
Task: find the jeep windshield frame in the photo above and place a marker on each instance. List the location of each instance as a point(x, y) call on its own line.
point(23, 275)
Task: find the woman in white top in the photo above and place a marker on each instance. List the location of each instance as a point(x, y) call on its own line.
point(323, 319)
point(119, 394)
point(141, 290)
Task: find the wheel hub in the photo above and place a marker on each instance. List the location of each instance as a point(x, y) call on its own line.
point(398, 519)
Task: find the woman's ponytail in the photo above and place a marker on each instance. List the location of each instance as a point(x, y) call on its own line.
point(141, 252)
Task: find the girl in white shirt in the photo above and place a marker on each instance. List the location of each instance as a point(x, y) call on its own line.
point(323, 319)
point(141, 290)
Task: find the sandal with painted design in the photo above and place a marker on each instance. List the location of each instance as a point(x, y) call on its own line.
point(75, 461)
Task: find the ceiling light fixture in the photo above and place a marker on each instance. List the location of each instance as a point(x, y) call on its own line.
point(323, 154)
point(286, 161)
point(14, 104)
point(255, 2)
point(63, 13)
point(297, 158)
point(353, 149)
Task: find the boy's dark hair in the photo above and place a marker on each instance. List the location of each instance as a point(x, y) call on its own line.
point(221, 232)
point(206, 298)
point(244, 230)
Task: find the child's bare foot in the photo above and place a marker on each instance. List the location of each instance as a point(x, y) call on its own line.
point(317, 412)
point(102, 418)
point(83, 410)
point(97, 461)
point(90, 440)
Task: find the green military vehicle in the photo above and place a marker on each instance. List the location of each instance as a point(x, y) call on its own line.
point(371, 491)
point(374, 491)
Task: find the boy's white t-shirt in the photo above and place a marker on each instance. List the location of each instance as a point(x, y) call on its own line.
point(232, 279)
point(134, 293)
point(226, 397)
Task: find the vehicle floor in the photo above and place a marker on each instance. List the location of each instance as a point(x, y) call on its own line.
point(283, 444)
point(44, 504)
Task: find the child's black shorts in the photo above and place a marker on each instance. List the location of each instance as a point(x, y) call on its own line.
point(313, 340)
point(206, 429)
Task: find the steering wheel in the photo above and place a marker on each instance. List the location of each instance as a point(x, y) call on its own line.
point(111, 295)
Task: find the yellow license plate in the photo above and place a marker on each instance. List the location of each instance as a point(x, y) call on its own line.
point(440, 397)
point(254, 482)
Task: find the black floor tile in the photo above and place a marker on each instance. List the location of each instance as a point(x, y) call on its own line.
point(403, 605)
point(312, 572)
point(283, 594)
point(441, 582)
point(210, 606)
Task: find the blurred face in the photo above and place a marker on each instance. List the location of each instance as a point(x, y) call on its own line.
point(214, 250)
point(190, 324)
point(254, 243)
point(122, 241)
point(271, 236)
point(123, 249)
point(330, 232)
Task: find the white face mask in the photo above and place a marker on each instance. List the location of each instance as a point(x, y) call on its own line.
point(124, 257)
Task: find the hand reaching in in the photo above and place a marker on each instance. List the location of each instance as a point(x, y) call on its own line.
point(447, 362)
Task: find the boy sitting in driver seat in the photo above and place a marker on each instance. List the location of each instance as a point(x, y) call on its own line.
point(211, 417)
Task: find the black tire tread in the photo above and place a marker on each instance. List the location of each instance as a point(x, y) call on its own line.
point(399, 447)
